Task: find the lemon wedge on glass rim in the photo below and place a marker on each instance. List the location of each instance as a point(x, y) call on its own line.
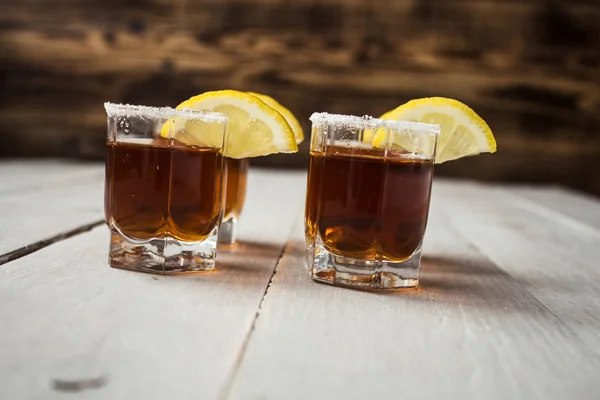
point(462, 132)
point(253, 127)
point(287, 114)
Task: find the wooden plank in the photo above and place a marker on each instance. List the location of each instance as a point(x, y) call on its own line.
point(27, 175)
point(117, 334)
point(46, 204)
point(471, 331)
point(553, 257)
point(577, 206)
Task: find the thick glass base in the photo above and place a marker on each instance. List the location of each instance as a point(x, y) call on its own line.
point(228, 232)
point(162, 255)
point(327, 267)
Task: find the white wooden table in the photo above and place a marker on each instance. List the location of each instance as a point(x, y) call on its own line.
point(509, 306)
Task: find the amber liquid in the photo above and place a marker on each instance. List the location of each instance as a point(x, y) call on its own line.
point(156, 190)
point(235, 192)
point(366, 207)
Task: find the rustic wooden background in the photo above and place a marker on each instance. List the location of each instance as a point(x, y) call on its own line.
point(531, 68)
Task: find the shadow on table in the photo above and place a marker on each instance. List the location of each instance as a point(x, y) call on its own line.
point(251, 248)
point(247, 256)
point(474, 283)
point(458, 265)
point(246, 265)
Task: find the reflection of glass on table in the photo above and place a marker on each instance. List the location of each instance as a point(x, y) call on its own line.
point(163, 198)
point(367, 203)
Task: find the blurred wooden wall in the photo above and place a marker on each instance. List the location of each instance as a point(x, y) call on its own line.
point(531, 68)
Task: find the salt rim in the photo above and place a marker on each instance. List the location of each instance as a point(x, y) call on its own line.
point(128, 110)
point(368, 122)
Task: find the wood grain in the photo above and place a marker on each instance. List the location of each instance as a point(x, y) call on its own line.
point(472, 330)
point(507, 308)
point(554, 258)
point(41, 200)
point(32, 175)
point(576, 206)
point(72, 324)
point(530, 68)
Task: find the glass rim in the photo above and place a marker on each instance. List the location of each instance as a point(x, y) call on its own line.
point(129, 110)
point(368, 122)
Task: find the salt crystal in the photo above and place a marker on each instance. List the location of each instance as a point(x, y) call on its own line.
point(368, 122)
point(163, 113)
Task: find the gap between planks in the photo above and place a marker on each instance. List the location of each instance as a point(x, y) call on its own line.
point(476, 315)
point(225, 392)
point(44, 202)
point(105, 292)
point(32, 248)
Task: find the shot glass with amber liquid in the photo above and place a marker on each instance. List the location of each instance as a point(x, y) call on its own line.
point(236, 179)
point(369, 187)
point(163, 188)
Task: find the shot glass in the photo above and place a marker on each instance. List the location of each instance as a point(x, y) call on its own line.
point(163, 188)
point(236, 172)
point(369, 186)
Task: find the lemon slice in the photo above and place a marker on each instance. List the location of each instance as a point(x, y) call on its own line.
point(462, 132)
point(287, 114)
point(254, 128)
